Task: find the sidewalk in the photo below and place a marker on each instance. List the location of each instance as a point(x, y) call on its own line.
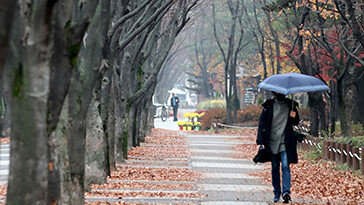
point(208, 172)
point(225, 179)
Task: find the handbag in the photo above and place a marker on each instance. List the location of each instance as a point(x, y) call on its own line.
point(263, 155)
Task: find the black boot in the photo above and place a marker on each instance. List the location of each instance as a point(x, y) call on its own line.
point(276, 198)
point(286, 198)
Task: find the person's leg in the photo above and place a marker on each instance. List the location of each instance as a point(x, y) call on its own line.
point(276, 177)
point(286, 176)
point(174, 114)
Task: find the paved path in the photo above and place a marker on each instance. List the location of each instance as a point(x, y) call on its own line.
point(225, 179)
point(4, 163)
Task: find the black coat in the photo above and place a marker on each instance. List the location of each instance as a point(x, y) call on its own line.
point(265, 124)
point(177, 102)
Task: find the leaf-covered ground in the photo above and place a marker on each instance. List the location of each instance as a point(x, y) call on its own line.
point(314, 179)
point(244, 132)
point(140, 176)
point(310, 179)
point(5, 140)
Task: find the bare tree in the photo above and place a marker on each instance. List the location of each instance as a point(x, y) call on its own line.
point(230, 55)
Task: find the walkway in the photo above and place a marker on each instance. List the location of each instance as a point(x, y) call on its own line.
point(4, 163)
point(224, 179)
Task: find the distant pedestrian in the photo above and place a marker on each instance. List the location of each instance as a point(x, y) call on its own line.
point(175, 105)
point(275, 133)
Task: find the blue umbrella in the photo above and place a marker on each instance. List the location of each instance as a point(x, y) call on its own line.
point(290, 83)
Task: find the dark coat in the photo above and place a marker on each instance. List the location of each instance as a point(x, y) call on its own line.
point(264, 129)
point(177, 102)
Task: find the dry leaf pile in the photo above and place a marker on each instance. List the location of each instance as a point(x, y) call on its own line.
point(321, 181)
point(244, 132)
point(129, 203)
point(155, 163)
point(142, 185)
point(161, 136)
point(158, 151)
point(160, 159)
point(243, 139)
point(121, 194)
point(5, 140)
point(155, 174)
point(130, 175)
point(245, 151)
point(3, 189)
point(314, 180)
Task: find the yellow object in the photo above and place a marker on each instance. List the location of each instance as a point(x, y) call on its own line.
point(187, 114)
point(181, 123)
point(189, 124)
point(189, 128)
point(184, 127)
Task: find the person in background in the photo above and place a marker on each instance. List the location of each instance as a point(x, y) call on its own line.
point(175, 105)
point(275, 133)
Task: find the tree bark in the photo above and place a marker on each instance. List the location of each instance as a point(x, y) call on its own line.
point(96, 161)
point(111, 122)
point(7, 10)
point(29, 84)
point(83, 80)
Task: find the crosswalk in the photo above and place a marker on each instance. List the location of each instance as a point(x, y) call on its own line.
point(4, 163)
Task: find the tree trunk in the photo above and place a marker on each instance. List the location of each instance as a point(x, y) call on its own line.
point(29, 84)
point(360, 103)
point(60, 185)
point(314, 119)
point(132, 125)
point(82, 83)
point(7, 10)
point(350, 96)
point(106, 114)
point(96, 164)
point(111, 123)
point(342, 109)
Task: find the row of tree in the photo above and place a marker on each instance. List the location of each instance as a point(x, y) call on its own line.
point(78, 77)
point(322, 38)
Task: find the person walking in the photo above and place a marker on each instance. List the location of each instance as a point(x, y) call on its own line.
point(175, 105)
point(275, 134)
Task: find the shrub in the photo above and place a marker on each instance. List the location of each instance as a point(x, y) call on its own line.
point(250, 113)
point(210, 116)
point(357, 129)
point(355, 141)
point(304, 113)
point(209, 104)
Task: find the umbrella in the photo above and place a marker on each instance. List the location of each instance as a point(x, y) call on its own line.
point(290, 83)
point(177, 91)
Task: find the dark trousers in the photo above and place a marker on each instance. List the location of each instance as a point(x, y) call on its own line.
point(277, 160)
point(175, 109)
